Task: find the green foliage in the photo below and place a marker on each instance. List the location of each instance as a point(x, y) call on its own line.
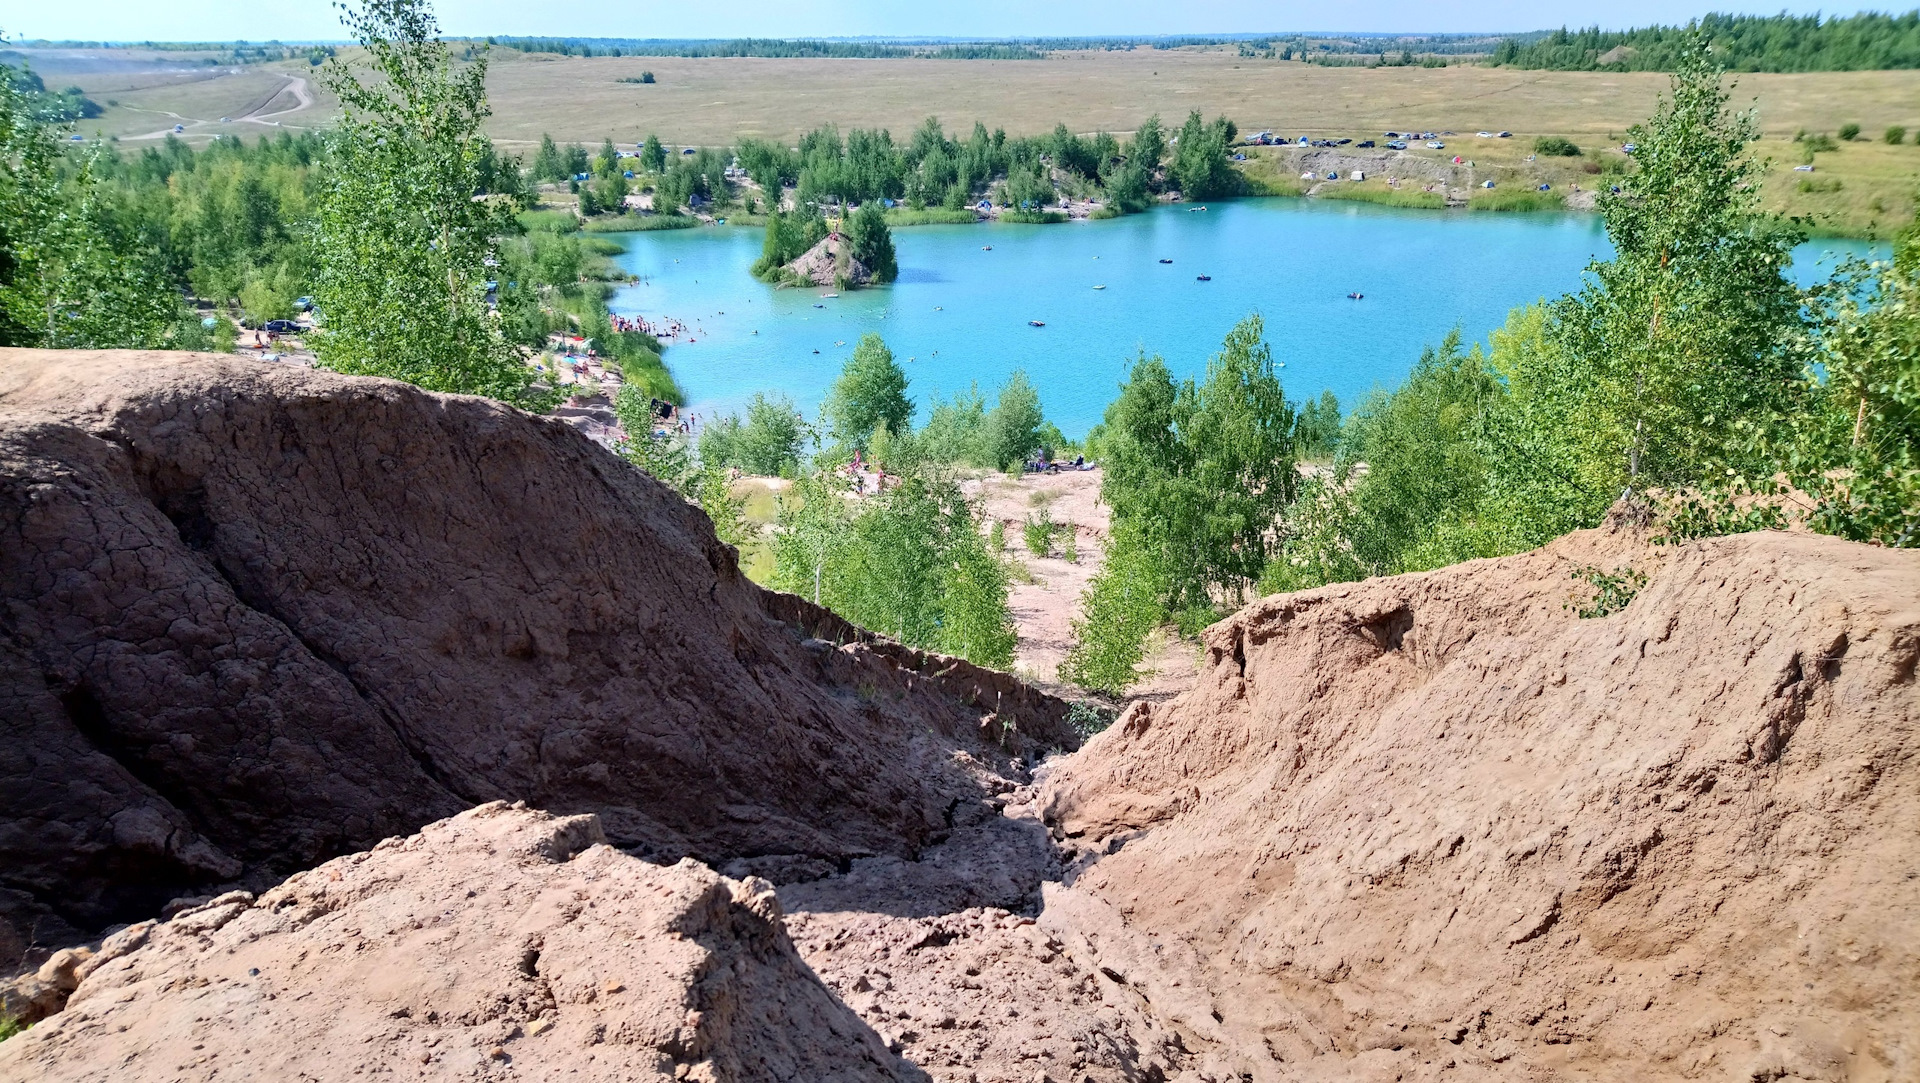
point(1555, 146)
point(1010, 432)
point(401, 242)
point(665, 455)
point(1516, 199)
point(1693, 324)
point(871, 391)
point(1148, 146)
point(1316, 427)
point(1202, 167)
point(10, 1026)
point(1791, 43)
point(1851, 441)
point(1612, 590)
point(789, 236)
point(1424, 468)
point(1197, 477)
point(711, 490)
point(1123, 604)
point(70, 277)
point(955, 430)
point(1037, 533)
point(653, 156)
point(1849, 132)
point(768, 443)
point(909, 563)
point(870, 242)
point(1895, 135)
point(1088, 719)
point(1386, 197)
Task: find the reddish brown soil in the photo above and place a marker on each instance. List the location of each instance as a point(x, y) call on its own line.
point(1430, 827)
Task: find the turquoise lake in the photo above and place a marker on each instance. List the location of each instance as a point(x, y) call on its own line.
point(959, 314)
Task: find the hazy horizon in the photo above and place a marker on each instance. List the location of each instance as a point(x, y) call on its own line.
point(125, 21)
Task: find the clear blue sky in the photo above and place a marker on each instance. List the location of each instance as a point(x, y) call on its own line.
point(260, 20)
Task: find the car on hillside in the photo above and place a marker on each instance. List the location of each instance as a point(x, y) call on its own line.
point(1397, 145)
point(282, 327)
point(1435, 144)
point(1343, 142)
point(1366, 143)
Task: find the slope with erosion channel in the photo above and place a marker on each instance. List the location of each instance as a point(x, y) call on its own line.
point(1434, 826)
point(256, 616)
point(1439, 825)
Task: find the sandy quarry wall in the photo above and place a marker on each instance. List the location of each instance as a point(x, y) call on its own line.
point(256, 616)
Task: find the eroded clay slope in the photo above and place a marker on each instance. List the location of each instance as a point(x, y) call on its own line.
point(500, 944)
point(1438, 826)
point(254, 616)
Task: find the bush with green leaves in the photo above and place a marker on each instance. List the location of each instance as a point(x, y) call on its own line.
point(1036, 532)
point(1316, 427)
point(401, 243)
point(1895, 135)
point(1197, 475)
point(68, 278)
point(909, 563)
point(871, 391)
point(1122, 605)
point(1010, 432)
point(767, 443)
point(1849, 132)
point(789, 236)
point(1555, 146)
point(871, 242)
point(1202, 166)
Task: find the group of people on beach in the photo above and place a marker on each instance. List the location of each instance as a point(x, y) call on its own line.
point(857, 474)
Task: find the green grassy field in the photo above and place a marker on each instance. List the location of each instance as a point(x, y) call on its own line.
point(714, 101)
point(1374, 192)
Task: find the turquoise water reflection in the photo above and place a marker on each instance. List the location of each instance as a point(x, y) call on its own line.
point(959, 314)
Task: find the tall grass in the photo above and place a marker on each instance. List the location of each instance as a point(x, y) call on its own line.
point(1386, 197)
point(1034, 218)
point(548, 221)
point(1516, 199)
point(930, 216)
point(637, 223)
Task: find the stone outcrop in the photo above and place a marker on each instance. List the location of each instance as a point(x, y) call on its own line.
point(829, 263)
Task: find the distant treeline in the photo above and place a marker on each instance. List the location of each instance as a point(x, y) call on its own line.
point(1777, 43)
point(768, 47)
point(1290, 46)
point(223, 52)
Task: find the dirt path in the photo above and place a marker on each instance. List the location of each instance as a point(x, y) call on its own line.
point(1046, 601)
point(302, 97)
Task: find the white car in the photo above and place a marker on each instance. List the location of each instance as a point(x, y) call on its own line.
point(1484, 135)
point(1435, 144)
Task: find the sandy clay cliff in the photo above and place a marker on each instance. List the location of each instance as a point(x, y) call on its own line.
point(356, 731)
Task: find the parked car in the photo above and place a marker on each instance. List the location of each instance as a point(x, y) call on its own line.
point(282, 327)
point(1396, 145)
point(1343, 142)
point(1435, 144)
